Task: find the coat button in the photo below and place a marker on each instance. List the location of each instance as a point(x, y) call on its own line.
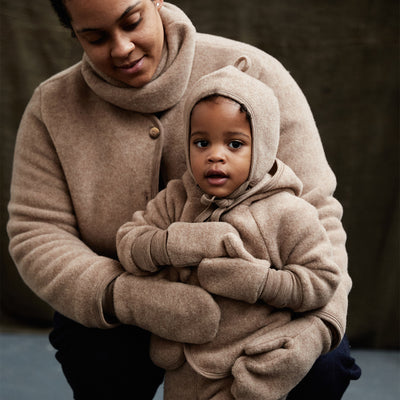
point(154, 132)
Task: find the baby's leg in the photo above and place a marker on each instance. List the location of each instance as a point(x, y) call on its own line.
point(256, 377)
point(180, 383)
point(211, 389)
point(186, 384)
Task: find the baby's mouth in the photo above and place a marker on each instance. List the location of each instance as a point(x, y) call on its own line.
point(216, 177)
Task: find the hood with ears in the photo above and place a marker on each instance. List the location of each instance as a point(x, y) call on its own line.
point(261, 104)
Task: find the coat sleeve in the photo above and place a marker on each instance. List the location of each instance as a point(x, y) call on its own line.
point(156, 237)
point(142, 242)
point(301, 148)
point(330, 214)
point(306, 276)
point(44, 238)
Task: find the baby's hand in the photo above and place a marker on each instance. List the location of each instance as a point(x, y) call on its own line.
point(189, 243)
point(239, 276)
point(235, 248)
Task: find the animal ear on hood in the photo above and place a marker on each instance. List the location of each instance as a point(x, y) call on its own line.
point(243, 63)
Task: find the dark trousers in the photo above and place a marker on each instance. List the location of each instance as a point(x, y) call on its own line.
point(110, 364)
point(114, 364)
point(329, 377)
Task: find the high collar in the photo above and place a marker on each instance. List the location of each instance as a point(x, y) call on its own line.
point(171, 78)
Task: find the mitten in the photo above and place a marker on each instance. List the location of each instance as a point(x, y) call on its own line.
point(188, 243)
point(141, 249)
point(239, 276)
point(276, 362)
point(172, 310)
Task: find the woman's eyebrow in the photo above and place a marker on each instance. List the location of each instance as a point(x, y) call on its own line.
point(119, 19)
point(128, 10)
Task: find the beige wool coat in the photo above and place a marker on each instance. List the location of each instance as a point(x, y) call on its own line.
point(90, 152)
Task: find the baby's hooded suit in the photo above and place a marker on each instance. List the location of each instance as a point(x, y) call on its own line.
point(281, 256)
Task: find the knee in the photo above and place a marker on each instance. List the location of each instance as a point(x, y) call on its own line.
point(329, 377)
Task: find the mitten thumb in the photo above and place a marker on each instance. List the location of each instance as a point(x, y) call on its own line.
point(235, 248)
point(306, 332)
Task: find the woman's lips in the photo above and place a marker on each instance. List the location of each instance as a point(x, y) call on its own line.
point(132, 67)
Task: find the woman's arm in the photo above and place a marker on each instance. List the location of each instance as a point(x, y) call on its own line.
point(43, 231)
point(61, 269)
point(142, 242)
point(301, 148)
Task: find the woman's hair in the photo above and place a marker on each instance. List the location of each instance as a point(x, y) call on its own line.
point(62, 13)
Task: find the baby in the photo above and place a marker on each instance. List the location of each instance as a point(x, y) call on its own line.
point(235, 217)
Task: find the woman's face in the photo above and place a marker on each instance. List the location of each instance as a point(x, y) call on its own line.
point(122, 38)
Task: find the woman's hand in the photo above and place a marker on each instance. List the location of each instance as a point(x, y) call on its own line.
point(276, 362)
point(172, 310)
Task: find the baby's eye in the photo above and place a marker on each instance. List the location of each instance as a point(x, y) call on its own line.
point(201, 143)
point(235, 144)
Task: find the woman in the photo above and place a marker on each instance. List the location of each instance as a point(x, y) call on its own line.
point(97, 139)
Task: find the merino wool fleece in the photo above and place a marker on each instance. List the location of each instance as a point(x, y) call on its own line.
point(276, 226)
point(90, 152)
point(274, 223)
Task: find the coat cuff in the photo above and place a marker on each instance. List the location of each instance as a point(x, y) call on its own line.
point(150, 251)
point(158, 248)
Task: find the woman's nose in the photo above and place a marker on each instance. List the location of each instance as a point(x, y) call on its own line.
point(122, 46)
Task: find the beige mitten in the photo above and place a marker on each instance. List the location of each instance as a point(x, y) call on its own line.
point(239, 276)
point(276, 362)
point(188, 243)
point(301, 286)
point(172, 310)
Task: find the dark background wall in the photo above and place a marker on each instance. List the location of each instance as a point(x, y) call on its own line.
point(344, 55)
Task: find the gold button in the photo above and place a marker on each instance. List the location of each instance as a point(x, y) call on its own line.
point(154, 132)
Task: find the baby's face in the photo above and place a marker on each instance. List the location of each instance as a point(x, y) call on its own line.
point(219, 146)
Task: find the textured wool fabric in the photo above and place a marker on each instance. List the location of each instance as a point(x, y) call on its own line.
point(264, 222)
point(261, 370)
point(202, 242)
point(88, 154)
point(244, 277)
point(184, 384)
point(157, 306)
